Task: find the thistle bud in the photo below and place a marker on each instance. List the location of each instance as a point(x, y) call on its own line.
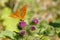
point(22, 24)
point(35, 21)
point(23, 32)
point(33, 28)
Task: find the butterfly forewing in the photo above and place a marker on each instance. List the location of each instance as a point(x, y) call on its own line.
point(22, 13)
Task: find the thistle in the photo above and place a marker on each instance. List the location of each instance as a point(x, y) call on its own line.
point(22, 32)
point(22, 24)
point(33, 28)
point(35, 21)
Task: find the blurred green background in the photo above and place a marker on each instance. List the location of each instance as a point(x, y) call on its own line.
point(46, 11)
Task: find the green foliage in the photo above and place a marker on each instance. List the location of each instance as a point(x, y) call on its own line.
point(8, 34)
point(43, 29)
point(9, 23)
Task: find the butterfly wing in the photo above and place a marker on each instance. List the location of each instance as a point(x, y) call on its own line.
point(20, 13)
point(14, 15)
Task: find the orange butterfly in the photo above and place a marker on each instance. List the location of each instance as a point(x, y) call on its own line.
point(20, 13)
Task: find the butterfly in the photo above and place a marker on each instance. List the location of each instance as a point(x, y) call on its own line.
point(20, 14)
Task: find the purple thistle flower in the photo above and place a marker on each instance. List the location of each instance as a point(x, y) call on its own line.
point(22, 24)
point(33, 28)
point(35, 21)
point(23, 32)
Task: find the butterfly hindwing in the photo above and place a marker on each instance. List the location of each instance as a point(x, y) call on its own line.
point(14, 15)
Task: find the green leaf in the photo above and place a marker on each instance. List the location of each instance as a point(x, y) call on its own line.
point(57, 29)
point(6, 12)
point(45, 38)
point(8, 34)
point(9, 22)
